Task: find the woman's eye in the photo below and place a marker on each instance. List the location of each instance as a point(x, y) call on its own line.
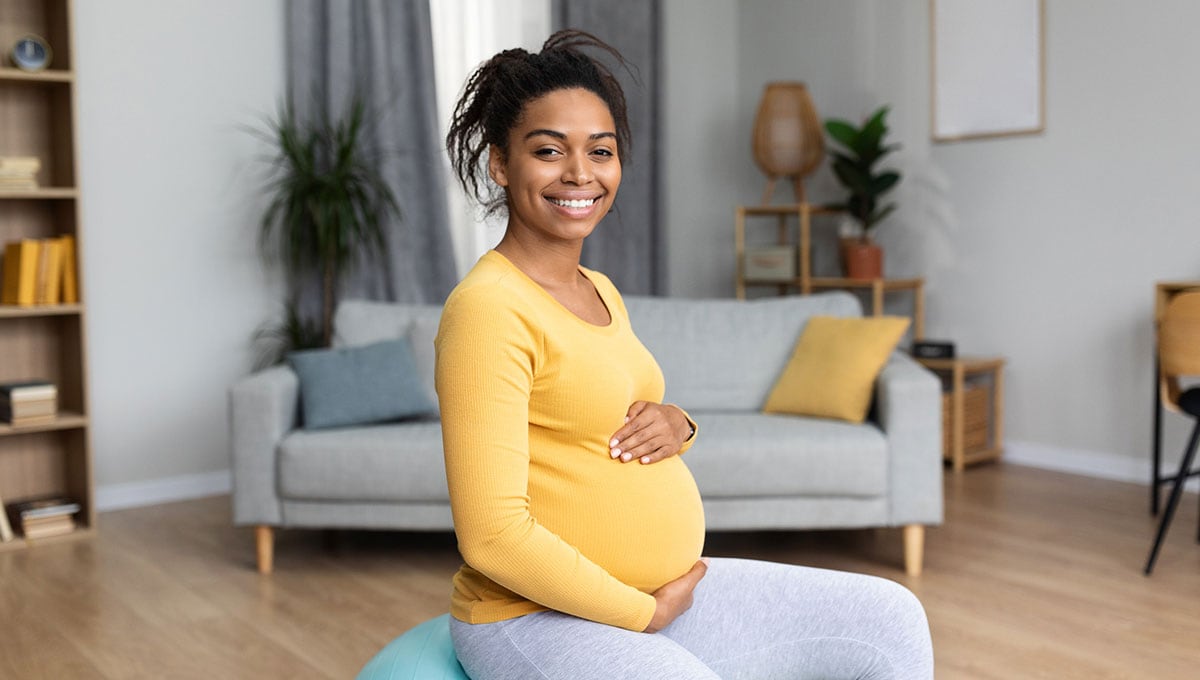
point(603, 152)
point(546, 152)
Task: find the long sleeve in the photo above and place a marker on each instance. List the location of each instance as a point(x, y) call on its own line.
point(487, 357)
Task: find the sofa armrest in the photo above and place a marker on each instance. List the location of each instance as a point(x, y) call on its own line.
point(263, 408)
point(909, 410)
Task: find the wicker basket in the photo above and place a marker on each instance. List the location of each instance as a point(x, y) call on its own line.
point(975, 420)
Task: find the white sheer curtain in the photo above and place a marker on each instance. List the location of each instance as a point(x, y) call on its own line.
point(465, 34)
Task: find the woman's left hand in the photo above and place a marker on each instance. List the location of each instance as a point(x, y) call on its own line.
point(651, 433)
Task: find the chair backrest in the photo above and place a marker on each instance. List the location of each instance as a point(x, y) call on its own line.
point(1179, 344)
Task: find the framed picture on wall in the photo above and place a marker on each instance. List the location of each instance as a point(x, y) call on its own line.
point(988, 60)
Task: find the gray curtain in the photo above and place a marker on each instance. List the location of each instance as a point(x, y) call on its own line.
point(383, 50)
point(628, 244)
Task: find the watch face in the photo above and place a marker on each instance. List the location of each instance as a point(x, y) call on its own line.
point(31, 53)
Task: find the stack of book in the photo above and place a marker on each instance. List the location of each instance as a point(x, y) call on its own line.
point(19, 173)
point(44, 517)
point(32, 402)
point(40, 272)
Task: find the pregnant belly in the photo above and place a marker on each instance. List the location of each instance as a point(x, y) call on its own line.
point(644, 524)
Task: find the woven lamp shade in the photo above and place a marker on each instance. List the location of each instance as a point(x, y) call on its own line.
point(788, 140)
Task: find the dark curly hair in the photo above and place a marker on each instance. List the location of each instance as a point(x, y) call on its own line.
point(496, 93)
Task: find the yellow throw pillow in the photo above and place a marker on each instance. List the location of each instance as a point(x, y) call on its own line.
point(833, 368)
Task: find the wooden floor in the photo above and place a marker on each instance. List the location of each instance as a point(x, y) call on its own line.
point(1035, 574)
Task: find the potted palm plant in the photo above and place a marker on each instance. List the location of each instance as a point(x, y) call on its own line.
point(327, 213)
point(854, 164)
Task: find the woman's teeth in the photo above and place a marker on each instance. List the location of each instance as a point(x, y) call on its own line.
point(573, 204)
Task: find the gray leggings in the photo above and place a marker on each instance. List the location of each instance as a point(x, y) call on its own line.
point(749, 619)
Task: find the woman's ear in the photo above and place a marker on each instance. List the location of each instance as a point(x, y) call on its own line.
point(496, 169)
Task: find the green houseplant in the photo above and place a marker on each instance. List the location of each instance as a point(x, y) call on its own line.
point(328, 208)
point(855, 165)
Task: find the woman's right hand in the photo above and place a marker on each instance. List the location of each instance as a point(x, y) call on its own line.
point(675, 597)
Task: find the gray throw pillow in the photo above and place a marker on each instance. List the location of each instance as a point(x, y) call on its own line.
point(359, 385)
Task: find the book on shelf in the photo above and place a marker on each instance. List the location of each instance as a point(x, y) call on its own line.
point(19, 173)
point(6, 532)
point(40, 272)
point(20, 271)
point(22, 390)
point(28, 402)
point(70, 285)
point(27, 165)
point(43, 517)
point(54, 526)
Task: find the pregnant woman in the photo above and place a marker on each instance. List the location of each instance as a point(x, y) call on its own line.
point(579, 522)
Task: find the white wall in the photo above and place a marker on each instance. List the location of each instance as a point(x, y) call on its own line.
point(1043, 249)
point(170, 206)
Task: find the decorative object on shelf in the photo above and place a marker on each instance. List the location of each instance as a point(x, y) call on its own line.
point(787, 137)
point(854, 166)
point(933, 349)
point(327, 211)
point(31, 53)
point(771, 263)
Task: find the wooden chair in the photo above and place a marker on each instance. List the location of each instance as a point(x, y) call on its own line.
point(1178, 355)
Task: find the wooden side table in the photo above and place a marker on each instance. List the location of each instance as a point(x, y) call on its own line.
point(957, 372)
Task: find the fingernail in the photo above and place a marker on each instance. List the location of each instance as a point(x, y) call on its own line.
point(627, 419)
point(645, 460)
point(614, 453)
point(614, 442)
point(627, 457)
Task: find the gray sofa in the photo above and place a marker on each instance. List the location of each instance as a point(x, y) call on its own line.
point(720, 359)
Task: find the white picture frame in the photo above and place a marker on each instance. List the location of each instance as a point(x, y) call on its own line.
point(988, 68)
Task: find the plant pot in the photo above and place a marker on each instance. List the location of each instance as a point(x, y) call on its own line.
point(863, 259)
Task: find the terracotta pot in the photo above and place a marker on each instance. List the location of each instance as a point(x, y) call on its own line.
point(864, 259)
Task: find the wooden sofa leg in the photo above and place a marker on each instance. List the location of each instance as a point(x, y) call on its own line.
point(265, 542)
point(914, 548)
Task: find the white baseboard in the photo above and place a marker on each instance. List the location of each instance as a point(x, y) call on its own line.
point(1099, 464)
point(166, 490)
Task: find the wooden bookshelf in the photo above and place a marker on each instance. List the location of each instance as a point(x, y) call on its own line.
point(48, 342)
point(804, 281)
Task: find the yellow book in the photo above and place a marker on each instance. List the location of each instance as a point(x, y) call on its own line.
point(20, 272)
point(70, 277)
point(12, 262)
point(51, 278)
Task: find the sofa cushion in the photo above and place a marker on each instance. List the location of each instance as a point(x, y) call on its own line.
point(831, 373)
point(724, 355)
point(359, 385)
point(362, 322)
point(398, 462)
point(745, 455)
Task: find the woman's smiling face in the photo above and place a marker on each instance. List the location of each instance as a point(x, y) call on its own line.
point(562, 170)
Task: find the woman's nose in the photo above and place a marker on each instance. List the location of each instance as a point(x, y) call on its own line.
point(577, 171)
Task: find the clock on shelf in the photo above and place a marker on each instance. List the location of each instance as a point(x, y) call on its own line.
point(31, 53)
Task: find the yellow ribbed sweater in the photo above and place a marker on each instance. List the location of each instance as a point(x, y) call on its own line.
point(530, 395)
